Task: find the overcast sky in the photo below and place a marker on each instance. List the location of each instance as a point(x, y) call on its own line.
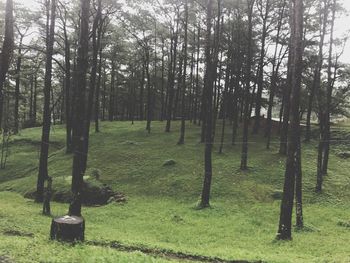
point(342, 24)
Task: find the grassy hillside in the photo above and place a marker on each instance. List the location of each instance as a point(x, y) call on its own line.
point(161, 208)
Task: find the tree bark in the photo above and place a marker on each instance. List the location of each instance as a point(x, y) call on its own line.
point(244, 155)
point(7, 51)
point(211, 64)
point(293, 157)
point(80, 111)
point(184, 84)
point(45, 137)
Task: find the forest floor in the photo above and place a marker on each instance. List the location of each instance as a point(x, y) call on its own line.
point(160, 215)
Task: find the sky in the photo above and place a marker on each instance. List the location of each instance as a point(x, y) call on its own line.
point(342, 25)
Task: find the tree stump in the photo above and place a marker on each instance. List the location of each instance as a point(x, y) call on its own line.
point(67, 228)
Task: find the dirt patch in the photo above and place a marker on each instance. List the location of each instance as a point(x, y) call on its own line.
point(17, 233)
point(166, 253)
point(94, 194)
point(5, 259)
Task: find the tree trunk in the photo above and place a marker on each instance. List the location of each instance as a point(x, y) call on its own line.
point(171, 76)
point(330, 83)
point(80, 111)
point(293, 157)
point(45, 137)
point(96, 41)
point(149, 93)
point(111, 94)
point(7, 50)
point(17, 86)
point(274, 77)
point(244, 155)
point(68, 93)
point(211, 64)
point(184, 84)
point(264, 17)
point(195, 112)
point(162, 114)
point(318, 68)
point(67, 229)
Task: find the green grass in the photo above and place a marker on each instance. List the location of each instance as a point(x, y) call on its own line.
point(160, 211)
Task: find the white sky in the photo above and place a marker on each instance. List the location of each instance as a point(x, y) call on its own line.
point(342, 24)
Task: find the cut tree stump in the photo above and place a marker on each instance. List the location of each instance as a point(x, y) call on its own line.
point(67, 228)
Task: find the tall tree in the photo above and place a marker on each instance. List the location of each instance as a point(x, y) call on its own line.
point(79, 133)
point(264, 11)
point(275, 71)
point(184, 83)
point(244, 155)
point(323, 23)
point(293, 157)
point(210, 73)
point(45, 137)
point(6, 51)
point(324, 107)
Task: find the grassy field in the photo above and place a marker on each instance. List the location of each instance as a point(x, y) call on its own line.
point(160, 211)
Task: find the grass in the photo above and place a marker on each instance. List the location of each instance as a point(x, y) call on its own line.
point(161, 209)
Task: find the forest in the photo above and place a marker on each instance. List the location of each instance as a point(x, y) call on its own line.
point(174, 131)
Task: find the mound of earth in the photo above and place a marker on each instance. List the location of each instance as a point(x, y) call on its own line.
point(94, 193)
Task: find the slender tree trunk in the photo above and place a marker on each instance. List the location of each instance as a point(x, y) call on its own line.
point(68, 93)
point(45, 137)
point(104, 99)
point(171, 78)
point(286, 103)
point(274, 77)
point(225, 97)
point(17, 86)
point(298, 189)
point(184, 84)
point(149, 93)
point(31, 100)
point(318, 68)
point(195, 113)
point(244, 155)
point(98, 89)
point(293, 158)
point(79, 132)
point(162, 99)
point(264, 17)
point(96, 41)
point(142, 85)
point(112, 94)
point(211, 64)
point(330, 82)
point(35, 98)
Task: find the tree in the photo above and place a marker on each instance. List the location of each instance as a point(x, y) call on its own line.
point(6, 52)
point(210, 72)
point(264, 11)
point(63, 15)
point(79, 133)
point(244, 155)
point(45, 137)
point(276, 63)
point(183, 83)
point(323, 23)
point(324, 107)
point(293, 157)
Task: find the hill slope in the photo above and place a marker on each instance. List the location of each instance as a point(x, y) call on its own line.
point(160, 212)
